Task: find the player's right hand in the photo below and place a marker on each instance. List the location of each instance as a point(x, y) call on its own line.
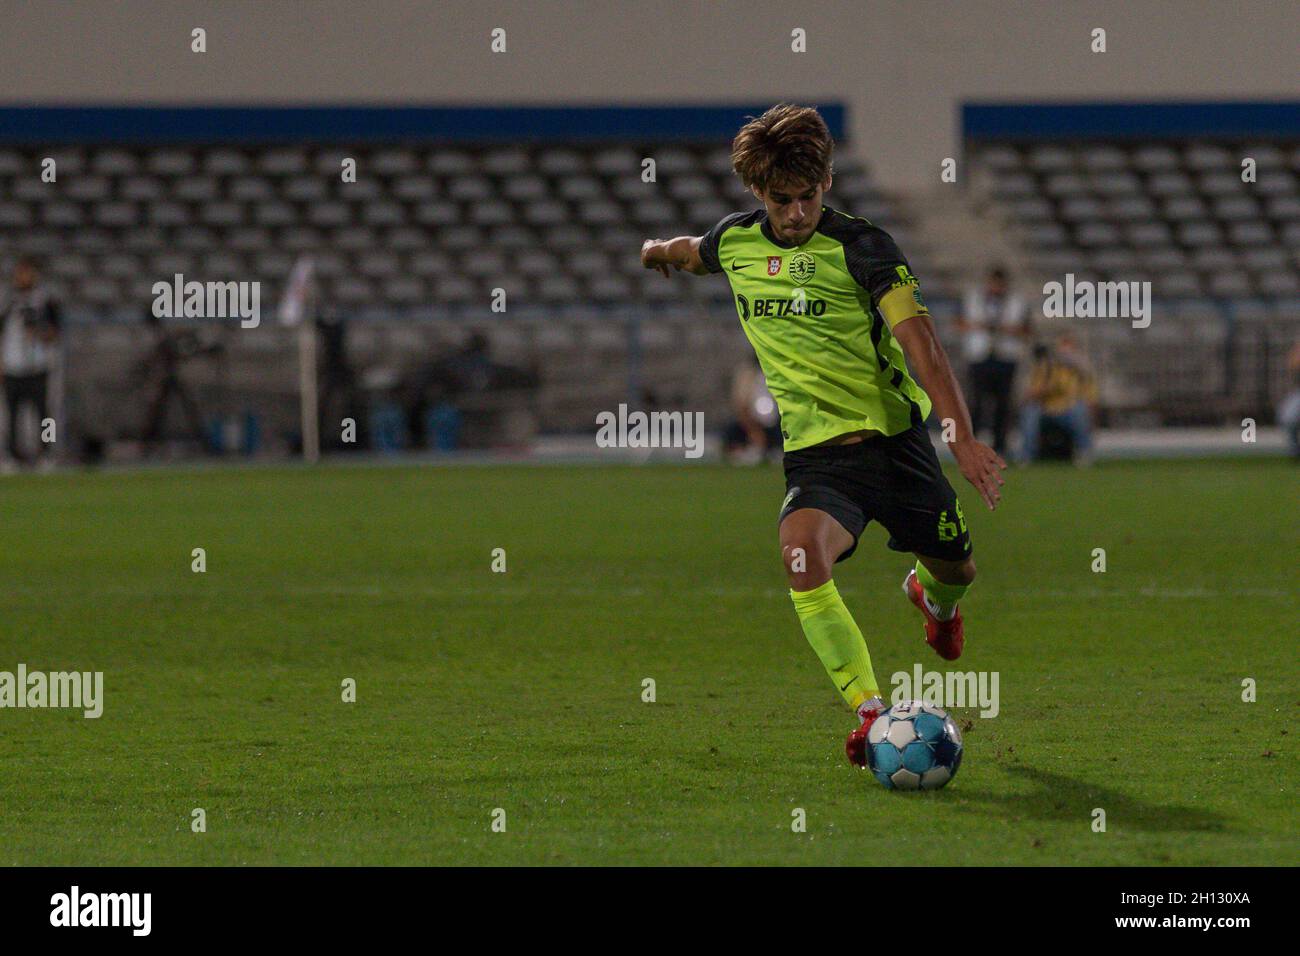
point(652, 256)
point(982, 467)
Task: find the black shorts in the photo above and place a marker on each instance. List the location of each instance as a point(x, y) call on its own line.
point(895, 480)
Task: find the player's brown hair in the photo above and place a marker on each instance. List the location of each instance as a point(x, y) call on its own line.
point(787, 146)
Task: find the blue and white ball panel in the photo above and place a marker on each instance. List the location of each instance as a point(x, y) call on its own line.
point(918, 757)
point(905, 780)
point(878, 729)
point(935, 778)
point(946, 753)
point(929, 727)
point(886, 758)
point(900, 733)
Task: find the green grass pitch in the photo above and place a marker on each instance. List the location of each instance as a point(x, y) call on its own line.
point(523, 690)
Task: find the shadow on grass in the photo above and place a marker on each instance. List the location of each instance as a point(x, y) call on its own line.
point(1058, 797)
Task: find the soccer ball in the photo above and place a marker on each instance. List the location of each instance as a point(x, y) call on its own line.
point(914, 746)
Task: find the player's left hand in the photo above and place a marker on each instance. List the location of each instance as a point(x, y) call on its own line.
point(982, 467)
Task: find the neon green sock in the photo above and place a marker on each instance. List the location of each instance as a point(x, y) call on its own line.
point(943, 598)
point(835, 637)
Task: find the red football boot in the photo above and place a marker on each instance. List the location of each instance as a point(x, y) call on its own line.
point(946, 637)
point(856, 745)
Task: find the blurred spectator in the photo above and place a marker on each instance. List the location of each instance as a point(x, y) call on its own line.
point(463, 395)
point(160, 372)
point(1288, 413)
point(995, 327)
point(1062, 394)
point(338, 381)
point(439, 389)
point(756, 429)
point(29, 342)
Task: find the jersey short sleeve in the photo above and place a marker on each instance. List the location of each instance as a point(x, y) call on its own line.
point(877, 265)
point(713, 238)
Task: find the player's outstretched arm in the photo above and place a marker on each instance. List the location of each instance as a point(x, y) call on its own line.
point(979, 463)
point(680, 253)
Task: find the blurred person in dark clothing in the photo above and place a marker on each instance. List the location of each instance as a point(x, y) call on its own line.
point(160, 369)
point(437, 386)
point(471, 369)
point(338, 382)
point(447, 388)
point(30, 327)
point(995, 328)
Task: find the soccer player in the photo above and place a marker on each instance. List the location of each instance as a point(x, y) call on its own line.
point(836, 319)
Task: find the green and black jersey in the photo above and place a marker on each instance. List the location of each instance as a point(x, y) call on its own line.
point(819, 316)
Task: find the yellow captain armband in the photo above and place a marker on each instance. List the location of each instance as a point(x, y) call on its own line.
point(902, 302)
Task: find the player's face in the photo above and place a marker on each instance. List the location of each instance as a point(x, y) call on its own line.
point(793, 211)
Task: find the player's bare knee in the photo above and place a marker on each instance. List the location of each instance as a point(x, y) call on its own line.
point(795, 557)
point(806, 566)
point(965, 572)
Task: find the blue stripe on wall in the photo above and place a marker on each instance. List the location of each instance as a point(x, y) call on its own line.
point(295, 124)
point(1130, 120)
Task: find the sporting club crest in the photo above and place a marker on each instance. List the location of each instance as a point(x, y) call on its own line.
point(802, 267)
